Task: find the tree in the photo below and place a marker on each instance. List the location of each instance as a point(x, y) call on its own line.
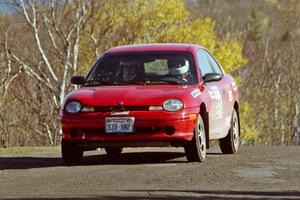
point(56, 44)
point(254, 26)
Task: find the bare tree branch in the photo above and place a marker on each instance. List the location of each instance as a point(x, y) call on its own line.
point(58, 31)
point(37, 38)
point(49, 133)
point(48, 29)
point(8, 78)
point(29, 70)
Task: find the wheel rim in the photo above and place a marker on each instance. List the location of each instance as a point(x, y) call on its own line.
point(235, 131)
point(202, 140)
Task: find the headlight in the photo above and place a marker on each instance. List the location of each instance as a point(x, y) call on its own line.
point(173, 105)
point(73, 107)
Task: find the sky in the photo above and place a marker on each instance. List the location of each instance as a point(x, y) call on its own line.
point(4, 8)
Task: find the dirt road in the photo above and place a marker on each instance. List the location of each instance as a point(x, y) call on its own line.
point(154, 173)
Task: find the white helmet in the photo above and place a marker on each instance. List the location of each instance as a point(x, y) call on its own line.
point(179, 70)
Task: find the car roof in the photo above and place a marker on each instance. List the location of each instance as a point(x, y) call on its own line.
point(154, 47)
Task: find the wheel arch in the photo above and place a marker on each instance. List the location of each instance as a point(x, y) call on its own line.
point(204, 115)
point(237, 107)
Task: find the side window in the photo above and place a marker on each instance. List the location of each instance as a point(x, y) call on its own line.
point(214, 65)
point(204, 64)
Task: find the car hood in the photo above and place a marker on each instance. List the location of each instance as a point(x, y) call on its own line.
point(134, 95)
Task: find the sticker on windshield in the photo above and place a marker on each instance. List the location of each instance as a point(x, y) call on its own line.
point(219, 103)
point(196, 93)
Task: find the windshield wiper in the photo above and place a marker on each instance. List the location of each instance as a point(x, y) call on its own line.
point(98, 82)
point(172, 79)
point(101, 82)
point(130, 82)
point(157, 80)
point(169, 79)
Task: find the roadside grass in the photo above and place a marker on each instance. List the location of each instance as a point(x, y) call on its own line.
point(26, 150)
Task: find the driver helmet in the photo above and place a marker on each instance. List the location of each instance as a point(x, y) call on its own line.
point(178, 66)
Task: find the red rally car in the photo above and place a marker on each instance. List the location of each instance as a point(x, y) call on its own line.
point(152, 95)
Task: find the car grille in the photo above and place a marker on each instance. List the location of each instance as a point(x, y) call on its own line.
point(117, 108)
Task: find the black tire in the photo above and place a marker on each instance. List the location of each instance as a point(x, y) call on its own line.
point(195, 150)
point(71, 154)
point(230, 144)
point(113, 150)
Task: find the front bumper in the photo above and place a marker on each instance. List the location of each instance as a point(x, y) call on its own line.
point(151, 128)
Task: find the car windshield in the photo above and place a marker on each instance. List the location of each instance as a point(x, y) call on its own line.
point(143, 68)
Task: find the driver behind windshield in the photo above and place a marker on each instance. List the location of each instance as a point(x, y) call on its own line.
point(179, 68)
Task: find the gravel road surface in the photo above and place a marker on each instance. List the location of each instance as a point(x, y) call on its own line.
point(154, 173)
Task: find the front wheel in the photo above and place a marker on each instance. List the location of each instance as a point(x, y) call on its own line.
point(230, 144)
point(195, 150)
point(71, 153)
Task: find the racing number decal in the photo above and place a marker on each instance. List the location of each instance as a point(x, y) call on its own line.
point(234, 86)
point(229, 91)
point(215, 94)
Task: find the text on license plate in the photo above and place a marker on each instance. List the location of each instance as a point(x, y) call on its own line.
point(119, 124)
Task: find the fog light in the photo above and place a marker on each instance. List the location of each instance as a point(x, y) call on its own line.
point(170, 130)
point(73, 132)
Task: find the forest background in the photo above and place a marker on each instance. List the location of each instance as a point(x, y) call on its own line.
point(45, 42)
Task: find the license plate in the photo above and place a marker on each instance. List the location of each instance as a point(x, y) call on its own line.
point(119, 124)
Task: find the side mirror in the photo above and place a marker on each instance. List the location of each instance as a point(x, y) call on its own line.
point(211, 77)
point(78, 80)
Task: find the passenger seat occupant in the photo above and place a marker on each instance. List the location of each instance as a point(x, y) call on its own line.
point(180, 68)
